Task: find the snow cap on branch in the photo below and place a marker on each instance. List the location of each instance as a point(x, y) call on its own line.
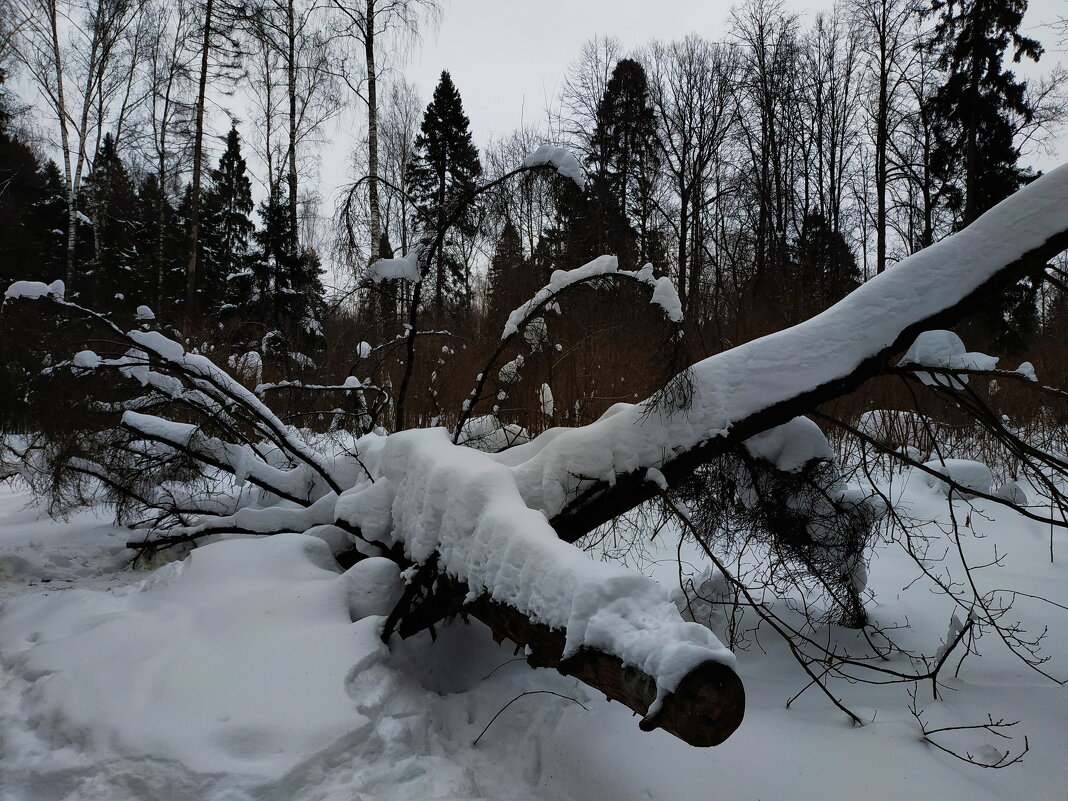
point(34, 290)
point(945, 349)
point(404, 267)
point(560, 158)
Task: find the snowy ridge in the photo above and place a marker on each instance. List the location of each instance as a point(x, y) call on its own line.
point(740, 382)
point(464, 506)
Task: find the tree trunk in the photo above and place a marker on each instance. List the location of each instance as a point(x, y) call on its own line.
point(72, 219)
point(372, 128)
point(294, 237)
point(198, 152)
point(705, 709)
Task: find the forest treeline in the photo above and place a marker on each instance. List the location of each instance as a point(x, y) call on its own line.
point(768, 169)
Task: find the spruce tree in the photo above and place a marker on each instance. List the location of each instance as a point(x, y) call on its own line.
point(825, 270)
point(24, 245)
point(226, 229)
point(976, 112)
point(159, 246)
point(976, 108)
point(510, 280)
point(622, 164)
point(285, 288)
point(443, 171)
point(112, 282)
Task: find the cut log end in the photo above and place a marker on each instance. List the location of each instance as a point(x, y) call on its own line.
point(705, 709)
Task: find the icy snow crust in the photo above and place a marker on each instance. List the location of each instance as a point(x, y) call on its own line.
point(464, 506)
point(738, 383)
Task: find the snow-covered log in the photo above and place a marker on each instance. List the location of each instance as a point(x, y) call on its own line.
point(459, 512)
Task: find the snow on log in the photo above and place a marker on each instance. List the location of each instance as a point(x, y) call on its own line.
point(613, 628)
point(582, 477)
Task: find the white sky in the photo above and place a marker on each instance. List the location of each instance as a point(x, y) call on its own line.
point(508, 57)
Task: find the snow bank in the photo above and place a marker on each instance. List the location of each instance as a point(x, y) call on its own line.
point(965, 472)
point(465, 507)
point(234, 660)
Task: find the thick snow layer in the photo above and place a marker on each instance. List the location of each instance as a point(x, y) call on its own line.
point(233, 661)
point(791, 446)
point(404, 267)
point(965, 472)
point(463, 506)
point(410, 717)
point(944, 349)
point(34, 290)
point(737, 383)
point(560, 158)
point(487, 433)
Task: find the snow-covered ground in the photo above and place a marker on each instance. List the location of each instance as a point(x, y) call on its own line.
point(240, 674)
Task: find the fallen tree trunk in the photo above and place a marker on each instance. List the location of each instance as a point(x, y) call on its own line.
point(781, 376)
point(704, 710)
point(706, 707)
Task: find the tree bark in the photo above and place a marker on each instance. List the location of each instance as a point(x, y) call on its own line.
point(291, 36)
point(372, 130)
point(72, 219)
point(198, 152)
point(704, 710)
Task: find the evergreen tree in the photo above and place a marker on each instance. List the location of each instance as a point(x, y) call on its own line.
point(158, 248)
point(226, 229)
point(24, 246)
point(825, 270)
point(511, 280)
point(285, 288)
point(976, 111)
point(443, 171)
point(622, 164)
point(112, 283)
point(977, 106)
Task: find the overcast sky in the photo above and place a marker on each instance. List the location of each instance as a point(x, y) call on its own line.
point(508, 57)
